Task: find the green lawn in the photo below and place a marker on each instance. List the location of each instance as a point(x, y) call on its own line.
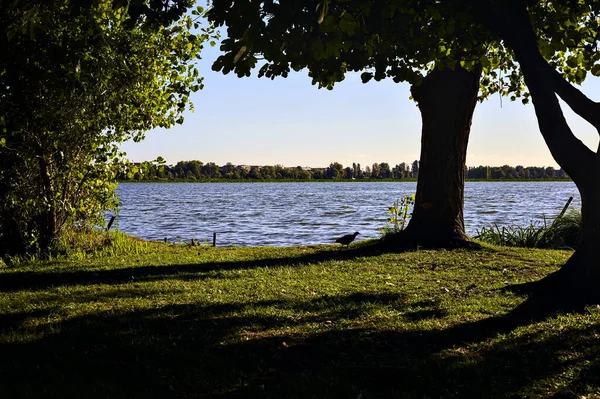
point(299, 322)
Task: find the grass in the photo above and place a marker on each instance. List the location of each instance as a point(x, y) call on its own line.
point(563, 232)
point(176, 321)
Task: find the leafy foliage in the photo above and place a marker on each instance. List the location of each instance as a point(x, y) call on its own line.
point(76, 79)
point(401, 40)
point(400, 213)
point(379, 38)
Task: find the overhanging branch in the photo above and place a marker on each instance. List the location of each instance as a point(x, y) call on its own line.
point(510, 20)
point(579, 102)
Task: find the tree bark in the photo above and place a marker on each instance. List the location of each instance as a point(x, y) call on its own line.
point(590, 229)
point(447, 100)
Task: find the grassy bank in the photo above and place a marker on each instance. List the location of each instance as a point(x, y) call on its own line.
point(202, 322)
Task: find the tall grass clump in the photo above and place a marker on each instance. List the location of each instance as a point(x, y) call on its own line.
point(79, 243)
point(88, 242)
point(563, 232)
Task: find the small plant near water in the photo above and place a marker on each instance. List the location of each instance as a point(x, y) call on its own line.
point(400, 213)
point(562, 232)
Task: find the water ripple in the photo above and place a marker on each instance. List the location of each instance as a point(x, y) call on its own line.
point(311, 213)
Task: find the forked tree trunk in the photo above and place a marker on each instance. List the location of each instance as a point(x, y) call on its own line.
point(579, 278)
point(447, 100)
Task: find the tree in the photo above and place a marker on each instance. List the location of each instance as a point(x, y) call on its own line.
point(384, 170)
point(77, 78)
point(407, 40)
point(335, 171)
point(414, 170)
point(348, 173)
point(228, 171)
point(575, 28)
point(267, 172)
point(401, 171)
point(210, 170)
point(375, 171)
point(382, 39)
point(359, 172)
point(255, 173)
point(196, 168)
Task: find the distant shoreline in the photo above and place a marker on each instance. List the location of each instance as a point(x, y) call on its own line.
point(333, 181)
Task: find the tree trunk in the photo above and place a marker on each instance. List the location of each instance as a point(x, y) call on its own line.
point(580, 276)
point(579, 279)
point(577, 282)
point(447, 100)
point(590, 229)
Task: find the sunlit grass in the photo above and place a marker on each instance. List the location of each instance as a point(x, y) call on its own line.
point(170, 320)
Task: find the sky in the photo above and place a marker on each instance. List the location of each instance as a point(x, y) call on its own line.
point(288, 121)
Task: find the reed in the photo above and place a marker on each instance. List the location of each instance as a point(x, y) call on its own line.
point(562, 233)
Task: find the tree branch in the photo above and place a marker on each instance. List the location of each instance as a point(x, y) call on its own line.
point(510, 21)
point(579, 102)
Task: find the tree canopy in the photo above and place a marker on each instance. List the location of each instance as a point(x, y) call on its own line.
point(383, 39)
point(402, 40)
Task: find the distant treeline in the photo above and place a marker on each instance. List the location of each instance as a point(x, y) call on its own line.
point(198, 170)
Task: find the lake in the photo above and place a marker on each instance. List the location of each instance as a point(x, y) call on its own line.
point(256, 214)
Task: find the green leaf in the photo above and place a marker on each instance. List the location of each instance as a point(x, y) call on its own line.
point(366, 76)
point(546, 49)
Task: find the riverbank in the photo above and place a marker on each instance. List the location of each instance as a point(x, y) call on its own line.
point(140, 320)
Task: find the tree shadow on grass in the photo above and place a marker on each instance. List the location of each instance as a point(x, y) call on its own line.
point(30, 280)
point(39, 280)
point(247, 350)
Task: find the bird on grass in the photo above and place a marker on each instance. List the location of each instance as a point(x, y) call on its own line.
point(347, 239)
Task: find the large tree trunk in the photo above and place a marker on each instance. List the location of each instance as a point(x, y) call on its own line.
point(579, 278)
point(590, 229)
point(447, 100)
point(581, 274)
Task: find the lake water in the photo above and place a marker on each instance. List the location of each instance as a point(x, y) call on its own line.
point(280, 214)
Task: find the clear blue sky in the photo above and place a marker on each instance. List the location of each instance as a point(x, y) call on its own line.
point(291, 122)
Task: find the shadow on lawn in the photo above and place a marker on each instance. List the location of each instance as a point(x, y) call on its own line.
point(14, 281)
point(227, 350)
